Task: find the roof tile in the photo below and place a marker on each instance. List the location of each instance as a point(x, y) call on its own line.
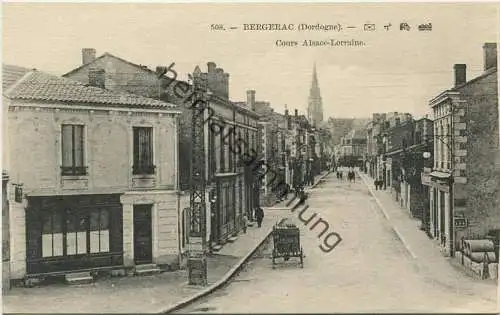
point(46, 87)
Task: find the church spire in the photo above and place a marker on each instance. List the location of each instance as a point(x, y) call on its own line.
point(315, 107)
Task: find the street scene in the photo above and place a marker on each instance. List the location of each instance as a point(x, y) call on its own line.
point(301, 162)
point(370, 271)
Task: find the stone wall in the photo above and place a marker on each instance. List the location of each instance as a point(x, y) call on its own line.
point(482, 190)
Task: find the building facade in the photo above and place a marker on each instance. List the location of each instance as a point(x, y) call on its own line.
point(97, 190)
point(464, 184)
point(231, 181)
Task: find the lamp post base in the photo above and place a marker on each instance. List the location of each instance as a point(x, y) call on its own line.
point(197, 271)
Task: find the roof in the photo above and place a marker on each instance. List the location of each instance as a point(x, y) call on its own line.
point(41, 86)
point(106, 54)
point(12, 74)
point(457, 89)
point(485, 74)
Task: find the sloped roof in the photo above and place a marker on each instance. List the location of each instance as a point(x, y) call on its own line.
point(42, 86)
point(12, 74)
point(106, 54)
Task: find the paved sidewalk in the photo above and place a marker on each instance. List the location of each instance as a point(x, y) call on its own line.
point(147, 294)
point(424, 252)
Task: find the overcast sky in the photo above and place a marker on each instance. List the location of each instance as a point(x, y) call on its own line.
point(396, 71)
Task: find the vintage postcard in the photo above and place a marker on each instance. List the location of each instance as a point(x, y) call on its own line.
point(250, 157)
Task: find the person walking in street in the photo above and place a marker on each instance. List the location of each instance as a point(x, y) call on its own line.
point(259, 215)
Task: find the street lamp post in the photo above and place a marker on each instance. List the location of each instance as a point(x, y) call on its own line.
point(197, 264)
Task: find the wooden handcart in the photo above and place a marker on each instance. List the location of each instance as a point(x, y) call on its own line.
point(286, 239)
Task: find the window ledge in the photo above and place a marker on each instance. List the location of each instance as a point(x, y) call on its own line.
point(144, 176)
point(74, 177)
point(143, 181)
point(74, 182)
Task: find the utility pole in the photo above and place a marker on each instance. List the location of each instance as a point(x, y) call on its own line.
point(197, 264)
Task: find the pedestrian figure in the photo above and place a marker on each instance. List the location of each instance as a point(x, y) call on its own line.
point(259, 215)
point(245, 223)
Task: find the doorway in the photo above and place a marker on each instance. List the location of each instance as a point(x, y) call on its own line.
point(143, 245)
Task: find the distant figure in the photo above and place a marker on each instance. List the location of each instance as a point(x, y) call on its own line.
point(245, 222)
point(351, 175)
point(259, 216)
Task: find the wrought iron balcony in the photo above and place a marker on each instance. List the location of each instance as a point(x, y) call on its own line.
point(143, 169)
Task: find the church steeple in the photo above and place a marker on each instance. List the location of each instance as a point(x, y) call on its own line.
point(315, 104)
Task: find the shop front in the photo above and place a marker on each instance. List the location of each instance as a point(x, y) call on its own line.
point(427, 204)
point(70, 233)
point(225, 217)
point(440, 210)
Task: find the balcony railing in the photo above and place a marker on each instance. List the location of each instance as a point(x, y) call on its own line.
point(143, 169)
point(73, 170)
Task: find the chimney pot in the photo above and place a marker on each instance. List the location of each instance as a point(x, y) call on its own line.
point(460, 74)
point(490, 55)
point(88, 55)
point(211, 66)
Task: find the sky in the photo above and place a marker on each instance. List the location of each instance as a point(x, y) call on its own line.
point(396, 70)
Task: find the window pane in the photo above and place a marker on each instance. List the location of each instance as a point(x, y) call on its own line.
point(136, 146)
point(94, 241)
point(81, 239)
point(47, 224)
point(70, 223)
point(56, 223)
point(71, 243)
point(47, 245)
point(94, 220)
point(104, 241)
point(67, 146)
point(57, 244)
point(104, 222)
point(82, 223)
point(78, 145)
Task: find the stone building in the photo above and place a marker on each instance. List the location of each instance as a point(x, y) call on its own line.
point(93, 176)
point(232, 182)
point(464, 183)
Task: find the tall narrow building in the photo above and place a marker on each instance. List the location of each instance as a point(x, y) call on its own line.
point(315, 106)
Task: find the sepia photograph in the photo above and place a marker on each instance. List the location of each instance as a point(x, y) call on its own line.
point(245, 157)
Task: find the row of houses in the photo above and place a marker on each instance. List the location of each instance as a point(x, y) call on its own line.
point(442, 170)
point(97, 165)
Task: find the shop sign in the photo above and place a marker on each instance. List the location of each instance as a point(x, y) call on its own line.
point(425, 178)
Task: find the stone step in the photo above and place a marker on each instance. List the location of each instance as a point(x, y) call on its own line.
point(146, 269)
point(78, 278)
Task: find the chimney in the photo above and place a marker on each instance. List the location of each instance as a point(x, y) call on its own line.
point(296, 113)
point(211, 67)
point(251, 99)
point(490, 55)
point(97, 78)
point(460, 74)
point(88, 55)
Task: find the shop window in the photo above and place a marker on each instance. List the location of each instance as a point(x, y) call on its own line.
point(143, 151)
point(72, 140)
point(76, 234)
point(52, 235)
point(99, 231)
